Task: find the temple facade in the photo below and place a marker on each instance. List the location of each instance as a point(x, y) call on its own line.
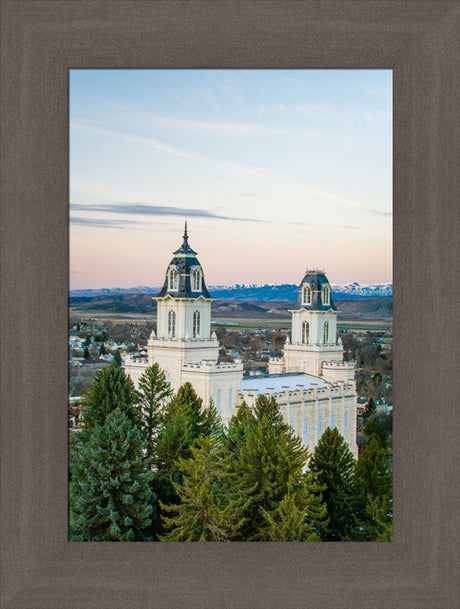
point(313, 386)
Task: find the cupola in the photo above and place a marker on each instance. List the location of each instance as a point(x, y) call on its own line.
point(315, 293)
point(184, 275)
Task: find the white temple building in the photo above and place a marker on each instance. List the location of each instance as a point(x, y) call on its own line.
point(311, 383)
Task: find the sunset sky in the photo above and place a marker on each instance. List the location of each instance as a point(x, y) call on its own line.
point(274, 170)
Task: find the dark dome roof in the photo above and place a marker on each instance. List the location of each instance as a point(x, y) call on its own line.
point(316, 279)
point(184, 259)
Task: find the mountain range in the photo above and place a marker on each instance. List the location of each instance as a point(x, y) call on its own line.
point(255, 292)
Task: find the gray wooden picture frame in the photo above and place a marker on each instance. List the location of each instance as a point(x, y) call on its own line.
point(41, 40)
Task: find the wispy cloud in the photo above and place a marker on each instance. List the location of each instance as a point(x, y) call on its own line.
point(102, 223)
point(206, 127)
point(248, 169)
point(145, 209)
point(167, 148)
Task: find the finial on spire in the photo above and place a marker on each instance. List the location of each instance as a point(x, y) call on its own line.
point(185, 244)
point(185, 247)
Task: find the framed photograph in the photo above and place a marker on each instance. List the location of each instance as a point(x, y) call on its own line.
point(41, 43)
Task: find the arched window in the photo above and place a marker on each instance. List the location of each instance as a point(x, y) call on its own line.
point(173, 279)
point(218, 400)
point(305, 432)
point(172, 324)
point(345, 425)
point(326, 295)
point(333, 421)
point(306, 295)
point(326, 333)
point(318, 429)
point(230, 398)
point(305, 332)
point(196, 280)
point(196, 324)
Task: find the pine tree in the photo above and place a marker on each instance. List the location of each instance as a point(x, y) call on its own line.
point(110, 389)
point(207, 511)
point(211, 423)
point(267, 406)
point(187, 396)
point(300, 515)
point(370, 409)
point(182, 422)
point(117, 362)
point(373, 475)
point(111, 498)
point(333, 464)
point(374, 429)
point(102, 350)
point(155, 391)
point(269, 462)
point(237, 429)
point(86, 353)
point(376, 523)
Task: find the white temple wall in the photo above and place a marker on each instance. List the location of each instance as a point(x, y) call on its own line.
point(221, 383)
point(309, 358)
point(184, 309)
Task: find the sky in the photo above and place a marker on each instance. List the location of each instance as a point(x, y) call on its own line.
point(275, 171)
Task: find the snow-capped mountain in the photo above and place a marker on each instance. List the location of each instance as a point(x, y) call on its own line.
point(261, 292)
point(358, 289)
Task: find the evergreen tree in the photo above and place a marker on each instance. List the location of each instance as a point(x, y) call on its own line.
point(102, 349)
point(182, 422)
point(110, 389)
point(86, 353)
point(237, 429)
point(176, 435)
point(376, 523)
point(187, 396)
point(155, 390)
point(117, 362)
point(300, 515)
point(207, 511)
point(369, 409)
point(211, 422)
point(333, 465)
point(111, 498)
point(373, 475)
point(266, 406)
point(374, 429)
point(269, 462)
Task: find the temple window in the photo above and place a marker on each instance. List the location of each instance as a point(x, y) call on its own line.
point(172, 324)
point(196, 280)
point(173, 279)
point(196, 324)
point(305, 432)
point(306, 295)
point(333, 421)
point(305, 332)
point(326, 333)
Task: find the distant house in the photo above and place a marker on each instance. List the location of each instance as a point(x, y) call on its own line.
point(95, 363)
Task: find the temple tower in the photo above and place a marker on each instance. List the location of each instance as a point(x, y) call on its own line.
point(315, 347)
point(183, 317)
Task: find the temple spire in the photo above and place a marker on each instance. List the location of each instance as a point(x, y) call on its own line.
point(185, 247)
point(185, 244)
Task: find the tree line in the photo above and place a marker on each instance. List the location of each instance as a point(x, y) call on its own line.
point(151, 465)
